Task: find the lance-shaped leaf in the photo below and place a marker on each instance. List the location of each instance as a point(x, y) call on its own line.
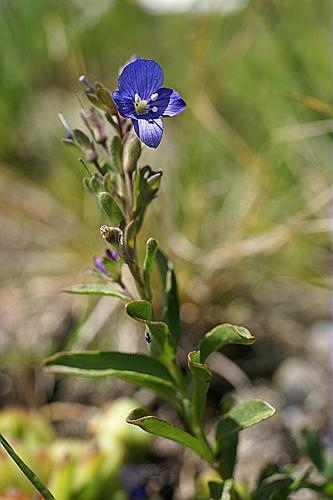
point(171, 301)
point(222, 335)
point(242, 416)
point(96, 289)
point(201, 376)
point(162, 345)
point(116, 150)
point(111, 208)
point(160, 427)
point(33, 478)
point(137, 369)
point(151, 249)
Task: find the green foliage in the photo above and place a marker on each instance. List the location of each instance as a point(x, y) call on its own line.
point(242, 416)
point(151, 249)
point(223, 335)
point(111, 208)
point(264, 200)
point(162, 346)
point(97, 289)
point(160, 427)
point(136, 369)
point(201, 376)
point(170, 292)
point(134, 187)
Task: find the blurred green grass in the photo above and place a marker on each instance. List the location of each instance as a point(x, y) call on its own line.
point(246, 192)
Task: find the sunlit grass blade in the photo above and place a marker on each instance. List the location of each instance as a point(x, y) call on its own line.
point(26, 470)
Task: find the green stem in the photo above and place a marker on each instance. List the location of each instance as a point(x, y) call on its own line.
point(135, 271)
point(27, 471)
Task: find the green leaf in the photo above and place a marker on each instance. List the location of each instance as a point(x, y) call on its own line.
point(160, 427)
point(242, 416)
point(105, 97)
point(96, 184)
point(171, 301)
point(111, 208)
point(201, 376)
point(93, 99)
point(29, 474)
point(151, 249)
point(96, 289)
point(132, 152)
point(137, 369)
point(82, 139)
point(161, 343)
point(141, 310)
point(222, 335)
point(116, 150)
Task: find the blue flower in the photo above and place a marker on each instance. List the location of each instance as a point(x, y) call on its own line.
point(141, 97)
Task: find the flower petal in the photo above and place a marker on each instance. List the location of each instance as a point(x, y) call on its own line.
point(142, 77)
point(149, 131)
point(124, 105)
point(175, 104)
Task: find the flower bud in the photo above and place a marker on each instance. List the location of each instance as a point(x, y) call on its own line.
point(131, 154)
point(112, 235)
point(104, 96)
point(99, 265)
point(95, 123)
point(69, 131)
point(111, 254)
point(83, 79)
point(86, 145)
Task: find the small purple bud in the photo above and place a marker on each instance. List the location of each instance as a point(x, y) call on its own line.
point(100, 266)
point(85, 82)
point(111, 254)
point(69, 132)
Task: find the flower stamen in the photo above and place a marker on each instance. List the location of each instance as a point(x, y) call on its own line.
point(141, 105)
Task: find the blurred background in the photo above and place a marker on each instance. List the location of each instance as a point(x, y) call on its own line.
point(244, 212)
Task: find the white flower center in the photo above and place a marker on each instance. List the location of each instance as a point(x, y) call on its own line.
point(142, 106)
